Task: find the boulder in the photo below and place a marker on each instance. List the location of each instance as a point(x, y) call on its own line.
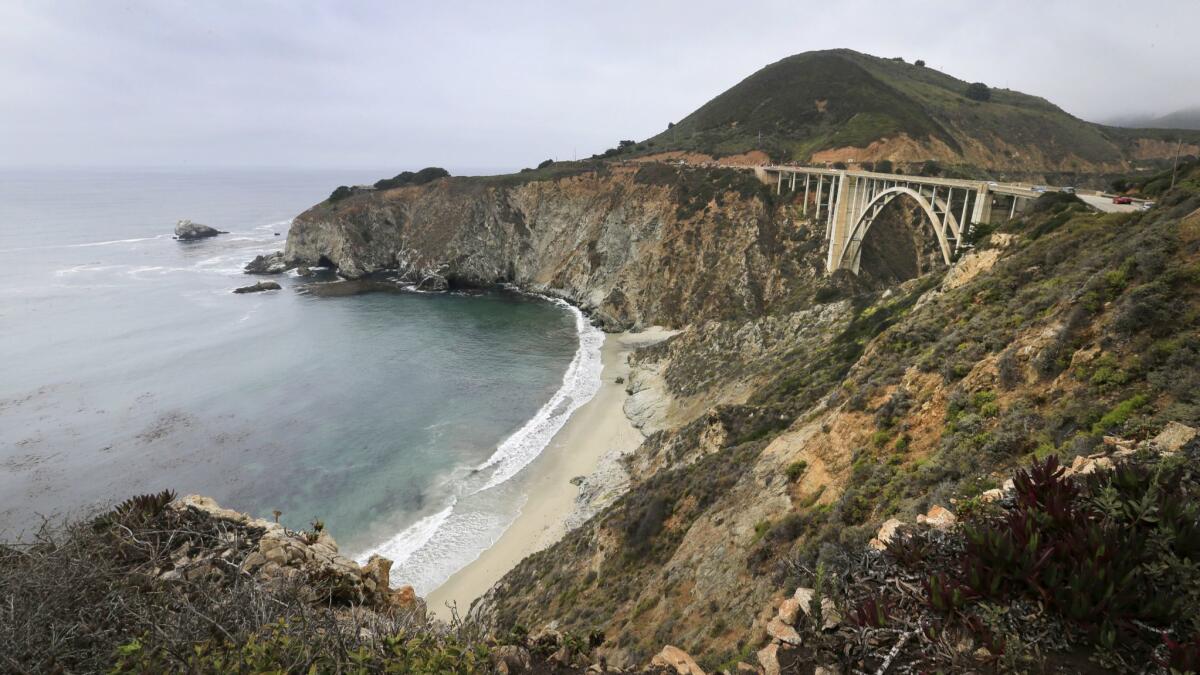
point(885, 534)
point(830, 616)
point(1173, 437)
point(768, 658)
point(259, 287)
point(272, 263)
point(938, 517)
point(511, 659)
point(789, 609)
point(677, 660)
point(186, 230)
point(1082, 466)
point(993, 495)
point(781, 631)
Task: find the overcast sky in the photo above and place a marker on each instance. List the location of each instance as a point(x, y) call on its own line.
point(501, 85)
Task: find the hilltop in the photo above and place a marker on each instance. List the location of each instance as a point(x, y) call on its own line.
point(842, 105)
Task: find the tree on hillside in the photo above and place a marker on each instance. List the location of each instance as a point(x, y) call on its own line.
point(884, 166)
point(545, 164)
point(931, 168)
point(978, 91)
point(919, 63)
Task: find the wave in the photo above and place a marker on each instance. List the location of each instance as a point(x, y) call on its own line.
point(432, 549)
point(580, 384)
point(117, 241)
point(402, 546)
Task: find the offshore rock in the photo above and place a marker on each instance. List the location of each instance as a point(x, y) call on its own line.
point(272, 263)
point(259, 287)
point(186, 230)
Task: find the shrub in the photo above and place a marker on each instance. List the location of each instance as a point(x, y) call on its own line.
point(1120, 413)
point(919, 63)
point(796, 469)
point(340, 193)
point(545, 164)
point(884, 166)
point(978, 91)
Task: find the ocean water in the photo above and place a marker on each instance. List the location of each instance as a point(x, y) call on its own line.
point(401, 420)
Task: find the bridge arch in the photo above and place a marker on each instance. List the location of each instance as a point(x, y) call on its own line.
point(851, 254)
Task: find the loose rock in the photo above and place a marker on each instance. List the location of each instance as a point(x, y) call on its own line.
point(1173, 437)
point(676, 659)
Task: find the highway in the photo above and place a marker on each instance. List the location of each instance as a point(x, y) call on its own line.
point(1105, 204)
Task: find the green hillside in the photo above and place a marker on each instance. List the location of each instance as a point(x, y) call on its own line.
point(826, 100)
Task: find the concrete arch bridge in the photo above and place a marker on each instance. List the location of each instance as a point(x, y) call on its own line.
point(850, 201)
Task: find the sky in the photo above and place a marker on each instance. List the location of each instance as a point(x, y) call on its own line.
point(500, 85)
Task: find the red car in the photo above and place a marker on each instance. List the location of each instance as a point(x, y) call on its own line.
point(1122, 200)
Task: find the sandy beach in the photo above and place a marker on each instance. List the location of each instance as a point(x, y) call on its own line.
point(595, 435)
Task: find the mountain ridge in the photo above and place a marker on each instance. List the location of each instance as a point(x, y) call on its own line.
point(842, 105)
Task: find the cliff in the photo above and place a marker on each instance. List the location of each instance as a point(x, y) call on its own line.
point(632, 245)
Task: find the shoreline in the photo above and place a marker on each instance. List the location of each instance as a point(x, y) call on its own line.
point(597, 431)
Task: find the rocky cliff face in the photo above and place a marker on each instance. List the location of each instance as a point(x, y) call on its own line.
point(632, 245)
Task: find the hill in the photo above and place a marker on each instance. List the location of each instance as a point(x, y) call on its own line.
point(841, 105)
point(1188, 118)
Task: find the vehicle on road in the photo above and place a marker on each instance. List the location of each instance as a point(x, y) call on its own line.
point(1039, 188)
point(1146, 206)
point(1068, 190)
point(1122, 200)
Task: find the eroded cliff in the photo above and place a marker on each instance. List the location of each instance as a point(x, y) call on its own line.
point(632, 245)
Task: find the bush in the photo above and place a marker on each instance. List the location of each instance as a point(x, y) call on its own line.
point(919, 63)
point(421, 177)
point(340, 193)
point(796, 469)
point(884, 166)
point(978, 91)
point(545, 164)
point(931, 168)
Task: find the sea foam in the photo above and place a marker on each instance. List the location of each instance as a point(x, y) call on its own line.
point(580, 384)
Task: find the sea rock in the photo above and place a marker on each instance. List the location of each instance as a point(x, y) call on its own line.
point(272, 263)
point(1173, 437)
point(938, 517)
point(885, 534)
point(676, 659)
point(259, 287)
point(768, 658)
point(186, 229)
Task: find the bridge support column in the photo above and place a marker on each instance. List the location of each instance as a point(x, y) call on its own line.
point(839, 221)
point(983, 206)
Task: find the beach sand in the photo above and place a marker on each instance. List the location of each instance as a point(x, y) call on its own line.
point(598, 429)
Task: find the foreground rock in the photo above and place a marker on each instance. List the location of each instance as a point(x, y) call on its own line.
point(259, 287)
point(187, 230)
point(282, 556)
point(271, 263)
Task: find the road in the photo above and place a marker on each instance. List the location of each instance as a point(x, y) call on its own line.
point(1105, 204)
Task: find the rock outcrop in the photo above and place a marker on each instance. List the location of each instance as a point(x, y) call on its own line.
point(258, 287)
point(271, 263)
point(633, 246)
point(187, 230)
point(281, 555)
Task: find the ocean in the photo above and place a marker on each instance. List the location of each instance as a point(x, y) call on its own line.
point(402, 421)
